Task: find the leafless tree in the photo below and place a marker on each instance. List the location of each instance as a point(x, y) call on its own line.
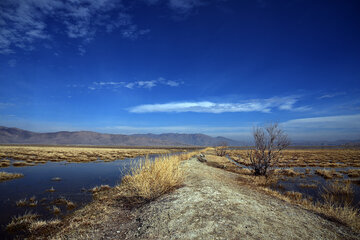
point(269, 141)
point(220, 150)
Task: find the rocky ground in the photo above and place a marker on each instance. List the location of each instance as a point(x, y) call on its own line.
point(214, 205)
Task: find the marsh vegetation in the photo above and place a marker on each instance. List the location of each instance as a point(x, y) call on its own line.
point(321, 180)
point(55, 188)
point(20, 156)
point(5, 176)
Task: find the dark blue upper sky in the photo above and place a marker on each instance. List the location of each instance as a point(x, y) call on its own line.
point(216, 67)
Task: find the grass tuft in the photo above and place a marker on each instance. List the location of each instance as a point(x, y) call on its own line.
point(21, 223)
point(338, 193)
point(328, 174)
point(5, 176)
point(150, 179)
point(21, 202)
point(100, 188)
point(30, 223)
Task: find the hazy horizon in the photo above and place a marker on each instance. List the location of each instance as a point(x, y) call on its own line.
point(181, 66)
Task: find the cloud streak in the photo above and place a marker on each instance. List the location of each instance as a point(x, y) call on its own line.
point(332, 95)
point(137, 84)
point(178, 6)
point(255, 105)
point(328, 122)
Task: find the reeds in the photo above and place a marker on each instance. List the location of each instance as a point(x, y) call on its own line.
point(4, 163)
point(100, 188)
point(56, 210)
point(328, 174)
point(289, 172)
point(353, 173)
point(338, 193)
point(330, 158)
point(22, 222)
point(5, 176)
point(29, 223)
point(21, 203)
point(52, 189)
point(150, 179)
point(22, 164)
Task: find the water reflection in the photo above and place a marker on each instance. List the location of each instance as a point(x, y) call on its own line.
point(74, 181)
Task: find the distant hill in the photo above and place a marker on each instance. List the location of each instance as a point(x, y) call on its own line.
point(191, 139)
point(20, 136)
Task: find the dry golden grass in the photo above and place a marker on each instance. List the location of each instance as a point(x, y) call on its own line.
point(21, 223)
point(339, 193)
point(22, 164)
point(307, 185)
point(29, 223)
point(52, 189)
point(4, 163)
point(345, 214)
point(28, 155)
point(150, 179)
point(21, 202)
point(309, 157)
point(353, 173)
point(289, 172)
point(328, 174)
point(5, 176)
point(100, 188)
point(332, 194)
point(63, 201)
point(56, 210)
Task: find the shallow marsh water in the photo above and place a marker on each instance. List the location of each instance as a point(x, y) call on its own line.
point(293, 183)
point(76, 180)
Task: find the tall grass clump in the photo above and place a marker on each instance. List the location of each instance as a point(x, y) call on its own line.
point(150, 179)
point(337, 197)
point(338, 193)
point(30, 223)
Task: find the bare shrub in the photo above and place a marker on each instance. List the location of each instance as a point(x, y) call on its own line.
point(221, 149)
point(269, 142)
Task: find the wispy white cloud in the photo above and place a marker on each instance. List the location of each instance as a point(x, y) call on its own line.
point(137, 84)
point(335, 122)
point(331, 95)
point(328, 128)
point(184, 6)
point(82, 50)
point(253, 105)
point(23, 22)
point(178, 6)
point(6, 104)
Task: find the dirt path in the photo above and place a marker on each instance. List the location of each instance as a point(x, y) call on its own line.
point(213, 205)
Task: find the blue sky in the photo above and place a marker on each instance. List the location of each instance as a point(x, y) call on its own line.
point(189, 66)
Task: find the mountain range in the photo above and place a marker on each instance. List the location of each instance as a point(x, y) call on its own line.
point(20, 136)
